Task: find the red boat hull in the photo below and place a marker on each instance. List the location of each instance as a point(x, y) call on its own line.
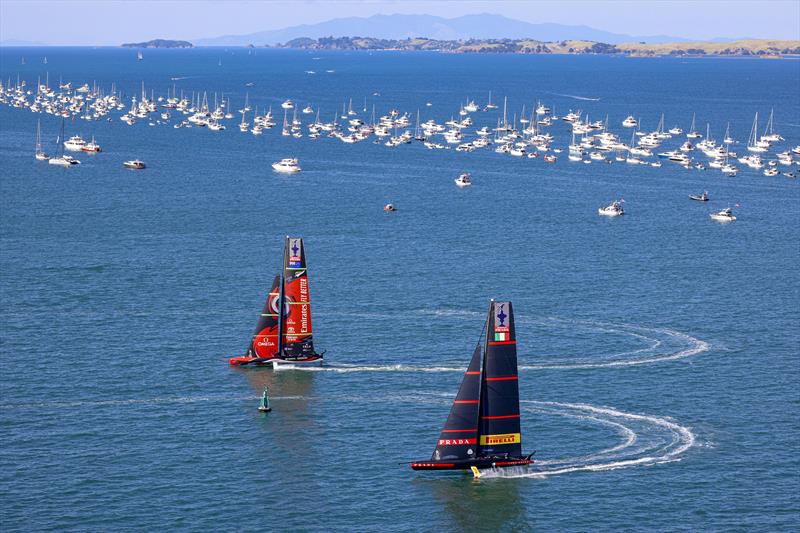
point(245, 360)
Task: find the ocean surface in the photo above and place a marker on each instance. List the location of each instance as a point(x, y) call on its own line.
point(658, 352)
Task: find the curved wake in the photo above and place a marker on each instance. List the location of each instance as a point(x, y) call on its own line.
point(661, 344)
point(647, 440)
point(574, 97)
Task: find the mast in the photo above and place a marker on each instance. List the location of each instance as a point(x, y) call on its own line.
point(282, 298)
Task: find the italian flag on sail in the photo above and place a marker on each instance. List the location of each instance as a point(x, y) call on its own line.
point(501, 336)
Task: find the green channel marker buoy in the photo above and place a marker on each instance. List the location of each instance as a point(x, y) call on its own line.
point(264, 405)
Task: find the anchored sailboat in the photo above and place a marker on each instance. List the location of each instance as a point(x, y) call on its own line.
point(284, 337)
point(483, 429)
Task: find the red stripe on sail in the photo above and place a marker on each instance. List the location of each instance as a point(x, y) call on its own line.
point(506, 378)
point(466, 401)
point(473, 373)
point(499, 417)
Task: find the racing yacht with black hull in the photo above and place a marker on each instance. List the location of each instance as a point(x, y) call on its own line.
point(483, 429)
point(286, 338)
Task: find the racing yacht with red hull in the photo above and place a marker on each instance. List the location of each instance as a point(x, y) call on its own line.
point(483, 429)
point(284, 337)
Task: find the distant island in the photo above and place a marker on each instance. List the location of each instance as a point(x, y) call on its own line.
point(159, 43)
point(755, 47)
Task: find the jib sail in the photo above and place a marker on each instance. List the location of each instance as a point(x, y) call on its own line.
point(296, 327)
point(265, 339)
point(499, 424)
point(459, 437)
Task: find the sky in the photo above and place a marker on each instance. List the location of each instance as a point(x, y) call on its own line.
point(112, 22)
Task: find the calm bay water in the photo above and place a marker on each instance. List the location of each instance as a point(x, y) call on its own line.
point(658, 351)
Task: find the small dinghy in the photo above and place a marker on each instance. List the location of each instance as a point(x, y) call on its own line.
point(389, 208)
point(483, 428)
point(699, 197)
point(284, 337)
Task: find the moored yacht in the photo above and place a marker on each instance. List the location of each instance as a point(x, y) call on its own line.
point(630, 122)
point(288, 104)
point(74, 143)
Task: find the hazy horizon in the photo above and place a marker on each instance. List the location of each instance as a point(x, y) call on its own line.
point(107, 23)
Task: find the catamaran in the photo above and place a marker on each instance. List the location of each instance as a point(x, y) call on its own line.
point(286, 338)
point(483, 428)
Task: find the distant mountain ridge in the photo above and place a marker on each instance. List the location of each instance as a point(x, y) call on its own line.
point(483, 26)
point(754, 47)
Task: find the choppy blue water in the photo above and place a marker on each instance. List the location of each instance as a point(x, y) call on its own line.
point(658, 351)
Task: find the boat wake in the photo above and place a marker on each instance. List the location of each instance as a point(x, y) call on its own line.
point(144, 401)
point(660, 345)
point(646, 440)
point(574, 97)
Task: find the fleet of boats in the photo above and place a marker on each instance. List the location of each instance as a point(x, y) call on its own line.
point(523, 136)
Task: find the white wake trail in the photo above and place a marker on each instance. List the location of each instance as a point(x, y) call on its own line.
point(649, 440)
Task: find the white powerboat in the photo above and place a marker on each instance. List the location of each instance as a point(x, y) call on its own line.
point(74, 143)
point(134, 164)
point(614, 209)
point(287, 165)
point(463, 180)
point(726, 215)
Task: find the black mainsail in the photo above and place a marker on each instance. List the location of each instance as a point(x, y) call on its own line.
point(483, 428)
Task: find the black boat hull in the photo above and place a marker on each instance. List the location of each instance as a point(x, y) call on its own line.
point(467, 464)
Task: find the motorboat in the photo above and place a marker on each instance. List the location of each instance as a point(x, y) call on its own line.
point(134, 164)
point(726, 215)
point(308, 110)
point(463, 180)
point(74, 143)
point(91, 147)
point(286, 165)
point(699, 197)
point(614, 209)
point(630, 122)
point(63, 161)
point(389, 208)
point(288, 104)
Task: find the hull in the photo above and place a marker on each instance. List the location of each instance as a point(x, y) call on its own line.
point(467, 464)
point(245, 360)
